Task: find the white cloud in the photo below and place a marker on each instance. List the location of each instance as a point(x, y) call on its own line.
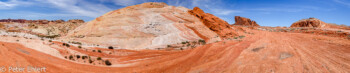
point(342, 2)
point(12, 3)
point(79, 7)
point(225, 11)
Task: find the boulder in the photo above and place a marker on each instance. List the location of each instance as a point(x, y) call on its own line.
point(244, 21)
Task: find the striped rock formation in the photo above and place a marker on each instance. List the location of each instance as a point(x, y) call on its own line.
point(148, 25)
point(311, 22)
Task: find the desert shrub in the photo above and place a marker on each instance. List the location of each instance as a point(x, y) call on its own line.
point(78, 43)
point(168, 45)
point(188, 44)
point(84, 57)
point(108, 63)
point(183, 42)
point(110, 47)
point(202, 41)
point(79, 46)
point(78, 56)
point(67, 45)
point(99, 58)
point(51, 37)
point(93, 50)
point(99, 51)
point(50, 40)
point(241, 36)
point(90, 61)
point(17, 40)
point(70, 57)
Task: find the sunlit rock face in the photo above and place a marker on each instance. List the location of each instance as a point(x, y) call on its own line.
point(244, 21)
point(148, 25)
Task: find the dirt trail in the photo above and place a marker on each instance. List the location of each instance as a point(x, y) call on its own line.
point(260, 52)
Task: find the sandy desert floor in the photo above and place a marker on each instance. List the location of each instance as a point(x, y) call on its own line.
point(258, 52)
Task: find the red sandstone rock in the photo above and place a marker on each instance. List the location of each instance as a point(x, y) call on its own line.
point(311, 22)
point(214, 23)
point(76, 21)
point(244, 21)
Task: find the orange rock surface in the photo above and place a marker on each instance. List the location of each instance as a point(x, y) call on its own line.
point(214, 23)
point(226, 49)
point(244, 21)
point(157, 24)
point(259, 52)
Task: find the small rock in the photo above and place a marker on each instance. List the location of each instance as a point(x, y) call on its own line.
point(285, 55)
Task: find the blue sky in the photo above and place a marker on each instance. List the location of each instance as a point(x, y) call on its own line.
point(264, 12)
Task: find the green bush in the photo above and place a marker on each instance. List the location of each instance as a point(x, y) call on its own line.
point(78, 56)
point(188, 44)
point(99, 58)
point(90, 61)
point(108, 63)
point(183, 42)
point(70, 57)
point(84, 57)
point(110, 47)
point(202, 41)
point(241, 36)
point(169, 45)
point(50, 40)
point(51, 37)
point(79, 46)
point(67, 45)
point(99, 51)
point(78, 43)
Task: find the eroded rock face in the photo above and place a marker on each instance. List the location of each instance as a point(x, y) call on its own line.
point(316, 23)
point(311, 22)
point(221, 27)
point(76, 21)
point(148, 25)
point(40, 27)
point(244, 21)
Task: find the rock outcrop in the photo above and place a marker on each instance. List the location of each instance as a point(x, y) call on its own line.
point(244, 21)
point(316, 23)
point(39, 21)
point(148, 25)
point(221, 27)
point(311, 22)
point(40, 27)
